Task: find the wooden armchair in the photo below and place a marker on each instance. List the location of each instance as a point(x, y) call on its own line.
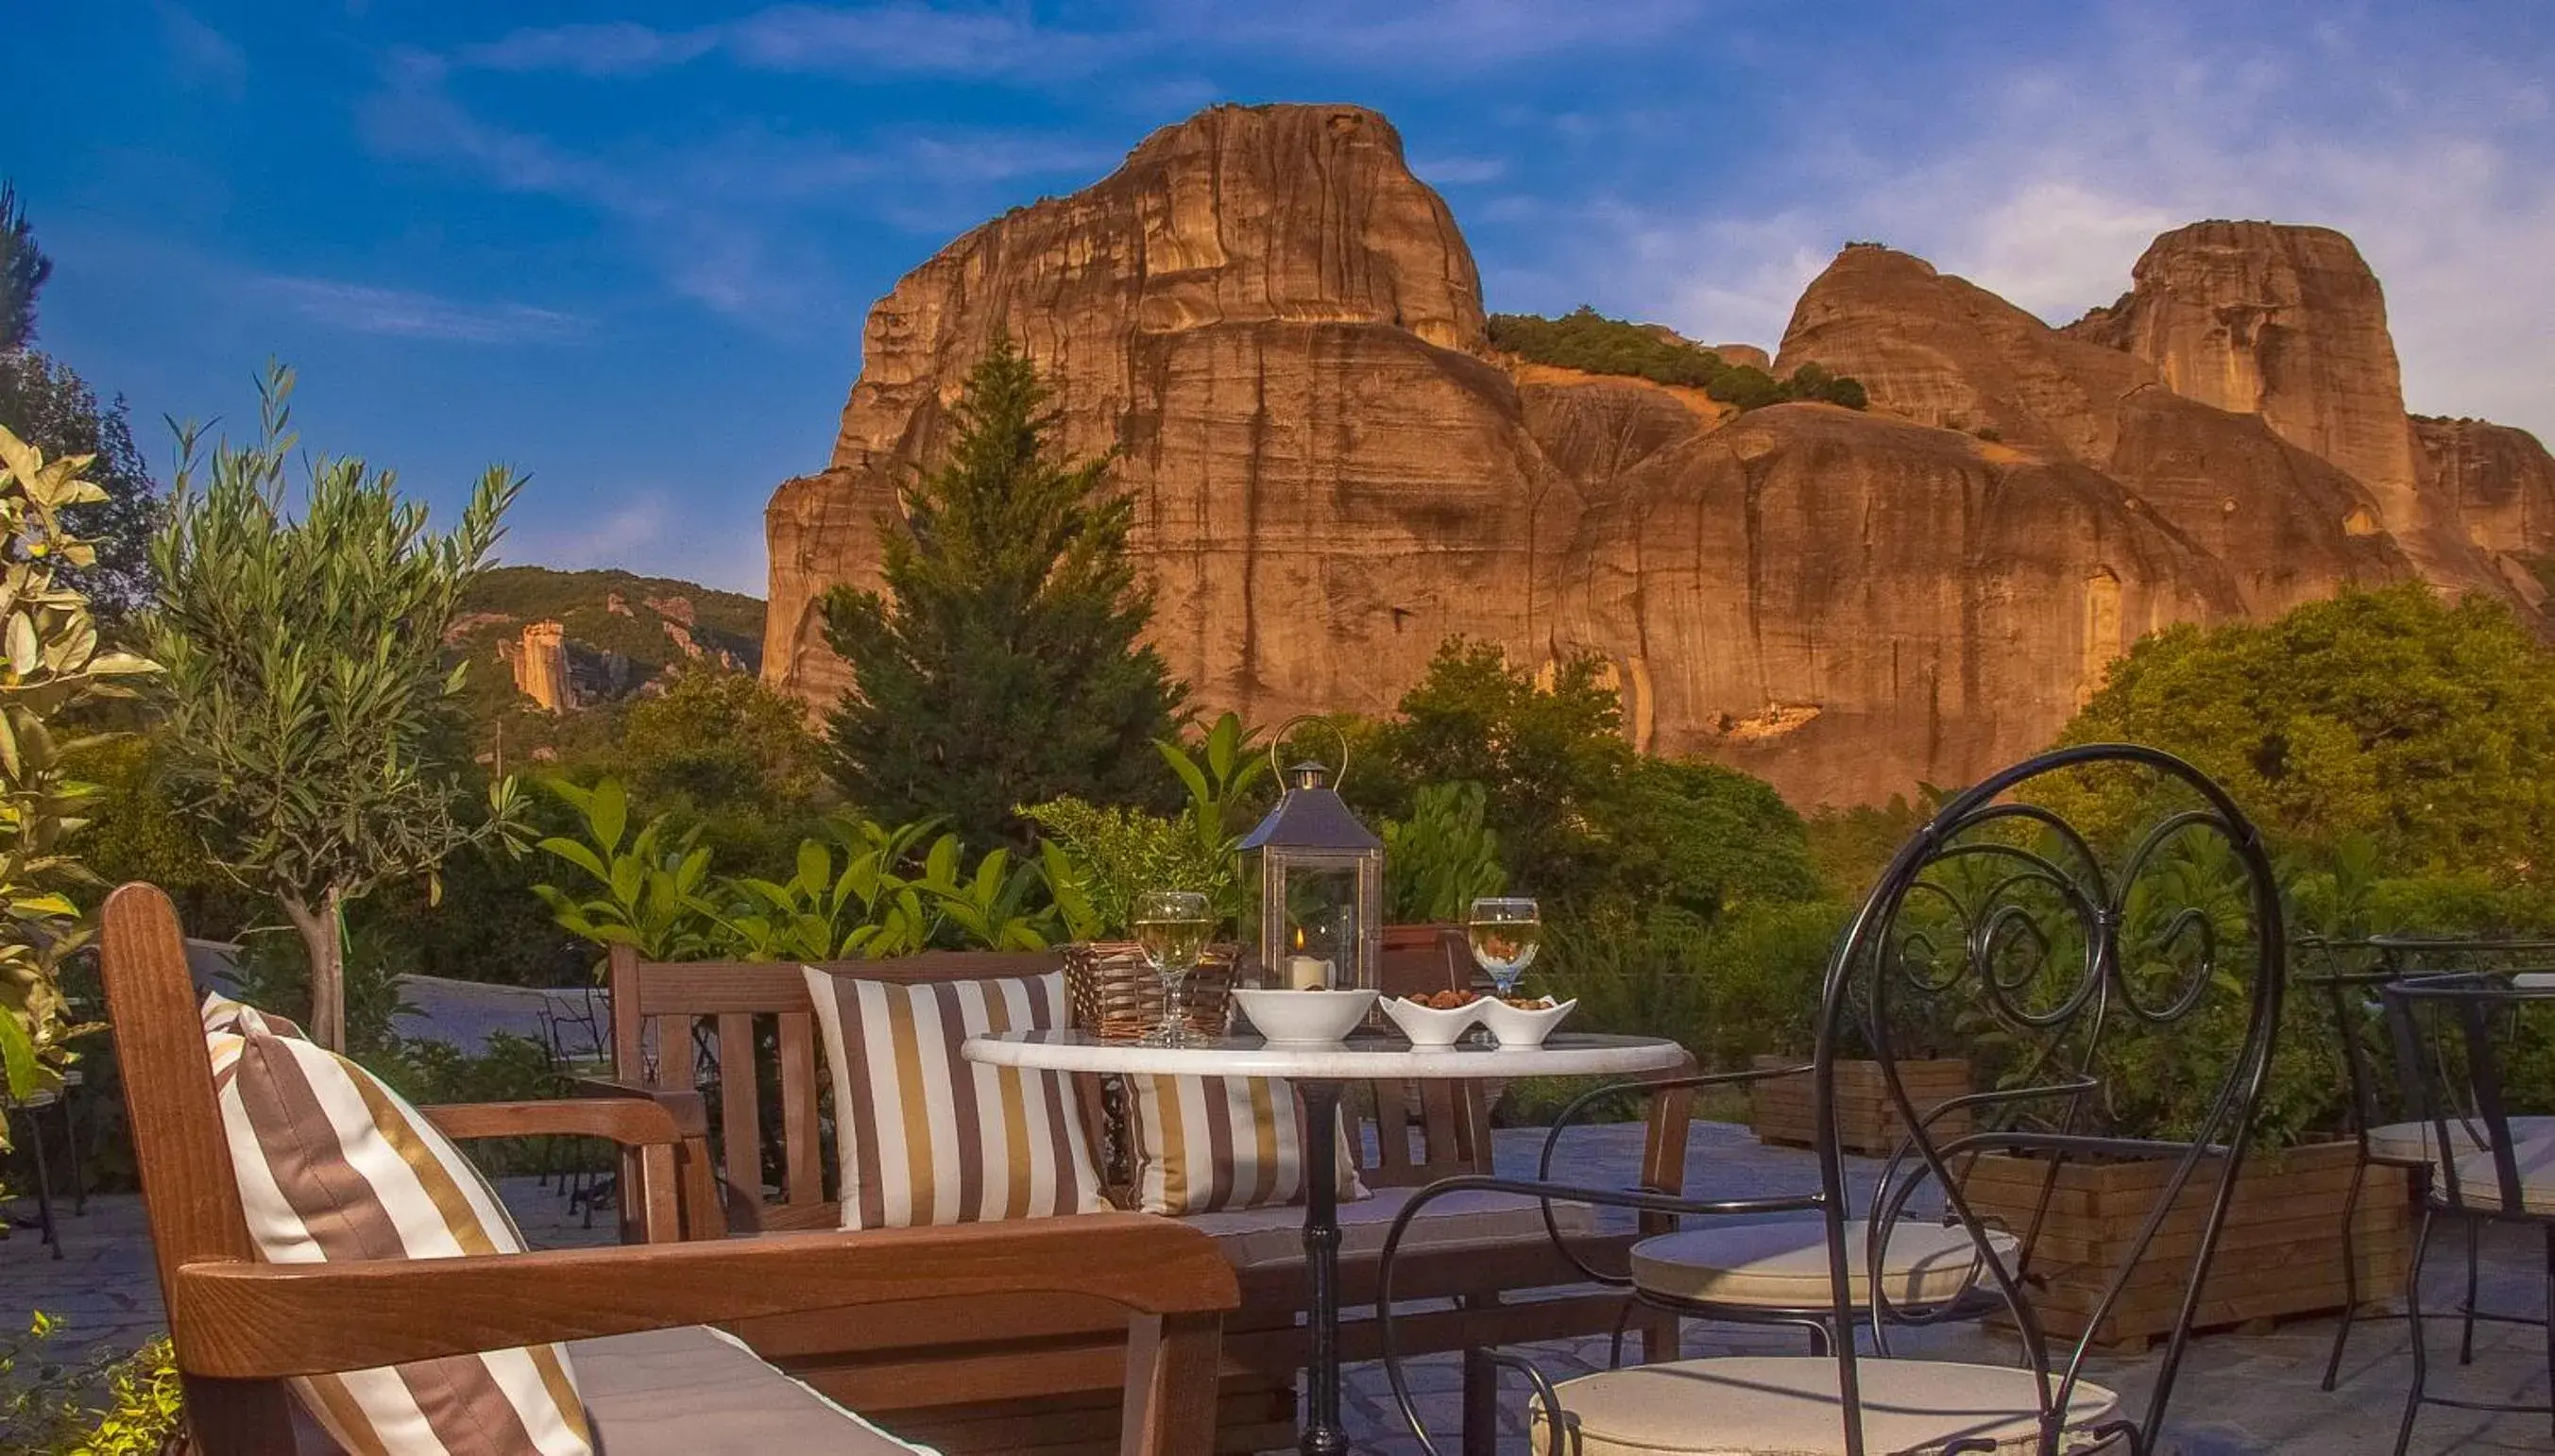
point(241, 1328)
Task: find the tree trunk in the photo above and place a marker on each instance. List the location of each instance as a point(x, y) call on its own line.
point(324, 940)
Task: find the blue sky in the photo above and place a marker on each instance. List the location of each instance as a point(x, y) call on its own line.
point(628, 247)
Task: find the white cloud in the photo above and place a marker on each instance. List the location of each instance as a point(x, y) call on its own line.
point(1457, 171)
point(202, 53)
point(2054, 175)
point(398, 313)
point(737, 219)
point(877, 40)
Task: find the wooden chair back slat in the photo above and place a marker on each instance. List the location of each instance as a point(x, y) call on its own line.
point(179, 1146)
point(740, 1108)
point(1387, 1111)
point(801, 1158)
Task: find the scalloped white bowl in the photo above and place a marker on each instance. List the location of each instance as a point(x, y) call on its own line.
point(1427, 1026)
point(1517, 1027)
point(1303, 1018)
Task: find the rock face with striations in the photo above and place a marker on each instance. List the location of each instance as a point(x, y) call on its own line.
point(1279, 330)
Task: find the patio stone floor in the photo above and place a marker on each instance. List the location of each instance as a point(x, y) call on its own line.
point(2239, 1394)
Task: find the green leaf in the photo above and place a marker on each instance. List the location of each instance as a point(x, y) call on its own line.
point(17, 1054)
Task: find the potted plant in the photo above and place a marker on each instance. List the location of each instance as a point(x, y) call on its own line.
point(2282, 1253)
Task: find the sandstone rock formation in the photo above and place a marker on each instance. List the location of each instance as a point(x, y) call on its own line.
point(2282, 321)
point(1275, 322)
point(1279, 332)
point(2498, 480)
point(540, 659)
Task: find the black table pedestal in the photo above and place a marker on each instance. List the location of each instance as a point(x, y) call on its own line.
point(1322, 1436)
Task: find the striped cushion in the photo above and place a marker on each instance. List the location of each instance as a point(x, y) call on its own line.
point(926, 1137)
point(333, 1166)
point(221, 1013)
point(1204, 1144)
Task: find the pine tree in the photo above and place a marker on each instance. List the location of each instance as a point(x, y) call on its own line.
point(1001, 666)
point(23, 271)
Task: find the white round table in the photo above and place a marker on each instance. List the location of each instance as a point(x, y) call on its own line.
point(1320, 1071)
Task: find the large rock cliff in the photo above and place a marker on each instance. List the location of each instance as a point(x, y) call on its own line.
point(1279, 332)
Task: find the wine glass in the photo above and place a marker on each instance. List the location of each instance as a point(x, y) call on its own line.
point(1505, 933)
point(1171, 925)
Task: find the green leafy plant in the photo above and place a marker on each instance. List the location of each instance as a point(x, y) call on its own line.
point(50, 665)
point(308, 705)
point(866, 907)
point(991, 905)
point(1441, 858)
point(106, 1403)
point(1099, 859)
point(1587, 341)
point(1222, 774)
point(644, 888)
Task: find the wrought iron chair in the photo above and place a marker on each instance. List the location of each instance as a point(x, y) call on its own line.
point(2452, 1035)
point(2384, 1124)
point(2002, 911)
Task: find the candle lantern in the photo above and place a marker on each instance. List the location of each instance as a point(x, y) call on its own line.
point(1318, 874)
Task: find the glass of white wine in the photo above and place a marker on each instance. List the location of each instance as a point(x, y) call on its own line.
point(1171, 925)
point(1505, 933)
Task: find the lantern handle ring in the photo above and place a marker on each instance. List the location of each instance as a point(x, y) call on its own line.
point(1277, 743)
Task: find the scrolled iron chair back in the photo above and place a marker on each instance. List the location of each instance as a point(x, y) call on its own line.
point(2001, 909)
point(2060, 952)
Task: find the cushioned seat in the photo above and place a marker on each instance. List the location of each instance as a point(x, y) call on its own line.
point(2411, 1142)
point(2479, 1181)
point(1783, 1263)
point(1755, 1405)
point(696, 1392)
point(1255, 1237)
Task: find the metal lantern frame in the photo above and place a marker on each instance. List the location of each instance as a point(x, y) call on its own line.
point(1311, 830)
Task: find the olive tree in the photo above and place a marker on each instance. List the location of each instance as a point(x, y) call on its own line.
point(309, 705)
point(50, 665)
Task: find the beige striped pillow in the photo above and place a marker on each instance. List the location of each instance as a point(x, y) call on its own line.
point(926, 1137)
point(221, 1013)
point(1204, 1144)
point(331, 1166)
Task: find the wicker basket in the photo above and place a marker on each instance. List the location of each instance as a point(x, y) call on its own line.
point(1114, 992)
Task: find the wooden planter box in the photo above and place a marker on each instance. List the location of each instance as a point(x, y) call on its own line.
point(1867, 1119)
point(2279, 1255)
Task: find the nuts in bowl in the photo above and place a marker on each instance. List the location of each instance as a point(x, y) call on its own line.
point(1435, 1019)
point(1521, 1020)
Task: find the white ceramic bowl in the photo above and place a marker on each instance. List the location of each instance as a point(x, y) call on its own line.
point(1303, 1018)
point(1517, 1027)
point(1426, 1026)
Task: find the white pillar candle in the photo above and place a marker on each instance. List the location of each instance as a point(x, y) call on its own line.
point(1305, 973)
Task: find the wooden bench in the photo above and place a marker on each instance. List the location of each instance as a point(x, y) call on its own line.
point(240, 1327)
point(987, 1375)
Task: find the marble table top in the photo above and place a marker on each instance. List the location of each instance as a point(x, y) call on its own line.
point(1564, 1054)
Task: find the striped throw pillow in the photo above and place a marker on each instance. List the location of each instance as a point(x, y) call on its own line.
point(221, 1013)
point(331, 1166)
point(926, 1137)
point(1204, 1144)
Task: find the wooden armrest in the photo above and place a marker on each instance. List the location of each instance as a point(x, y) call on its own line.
point(696, 1198)
point(682, 1104)
point(626, 1121)
point(646, 1127)
point(259, 1321)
